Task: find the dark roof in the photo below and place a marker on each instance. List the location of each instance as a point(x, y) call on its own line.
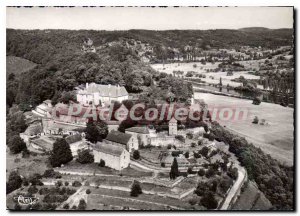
point(108, 148)
point(73, 138)
point(118, 137)
point(143, 130)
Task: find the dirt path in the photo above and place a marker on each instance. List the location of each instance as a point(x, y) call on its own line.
point(234, 189)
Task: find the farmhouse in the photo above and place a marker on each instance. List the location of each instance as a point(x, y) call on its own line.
point(76, 143)
point(99, 94)
point(114, 156)
point(126, 141)
point(141, 134)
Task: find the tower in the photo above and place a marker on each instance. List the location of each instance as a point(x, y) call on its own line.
point(173, 127)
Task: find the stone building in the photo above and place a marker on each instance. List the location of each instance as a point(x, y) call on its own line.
point(114, 156)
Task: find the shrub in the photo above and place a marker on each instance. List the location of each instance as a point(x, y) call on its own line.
point(201, 172)
point(176, 153)
point(255, 120)
point(66, 183)
point(187, 154)
point(169, 146)
point(32, 189)
point(16, 144)
point(74, 207)
point(136, 189)
point(66, 206)
point(82, 204)
point(88, 191)
point(196, 155)
point(179, 137)
point(209, 201)
point(102, 163)
point(76, 184)
point(193, 201)
point(85, 157)
point(256, 101)
point(193, 145)
point(163, 164)
point(204, 151)
point(58, 183)
point(190, 170)
point(233, 173)
point(50, 173)
point(136, 154)
point(210, 172)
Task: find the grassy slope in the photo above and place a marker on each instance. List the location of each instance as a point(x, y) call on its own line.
point(18, 65)
point(276, 139)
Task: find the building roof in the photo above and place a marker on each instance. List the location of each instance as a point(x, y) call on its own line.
point(118, 137)
point(109, 148)
point(73, 138)
point(104, 90)
point(173, 120)
point(142, 130)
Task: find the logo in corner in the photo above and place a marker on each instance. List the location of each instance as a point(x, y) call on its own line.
point(26, 200)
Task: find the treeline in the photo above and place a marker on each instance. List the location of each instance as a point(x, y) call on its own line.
point(273, 179)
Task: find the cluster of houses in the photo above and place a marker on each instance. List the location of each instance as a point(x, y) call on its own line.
point(115, 149)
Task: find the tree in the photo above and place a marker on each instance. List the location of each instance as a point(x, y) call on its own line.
point(201, 172)
point(233, 173)
point(82, 204)
point(96, 131)
point(16, 144)
point(14, 182)
point(187, 154)
point(102, 163)
point(66, 206)
point(174, 172)
point(127, 123)
point(204, 151)
point(209, 201)
point(88, 191)
point(85, 157)
point(136, 154)
point(256, 101)
point(136, 189)
point(255, 120)
point(61, 153)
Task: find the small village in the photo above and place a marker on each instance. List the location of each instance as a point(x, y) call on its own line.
point(167, 164)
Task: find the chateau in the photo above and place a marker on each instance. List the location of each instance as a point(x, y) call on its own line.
point(98, 94)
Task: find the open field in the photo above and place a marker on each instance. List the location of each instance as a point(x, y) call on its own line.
point(18, 65)
point(26, 166)
point(275, 139)
point(200, 69)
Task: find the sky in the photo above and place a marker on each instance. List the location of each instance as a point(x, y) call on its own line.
point(118, 18)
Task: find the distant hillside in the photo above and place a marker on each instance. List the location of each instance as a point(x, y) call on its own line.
point(18, 65)
point(252, 29)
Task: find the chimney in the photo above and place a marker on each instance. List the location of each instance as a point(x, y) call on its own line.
point(86, 85)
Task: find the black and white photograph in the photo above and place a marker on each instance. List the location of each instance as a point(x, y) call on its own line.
point(143, 108)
